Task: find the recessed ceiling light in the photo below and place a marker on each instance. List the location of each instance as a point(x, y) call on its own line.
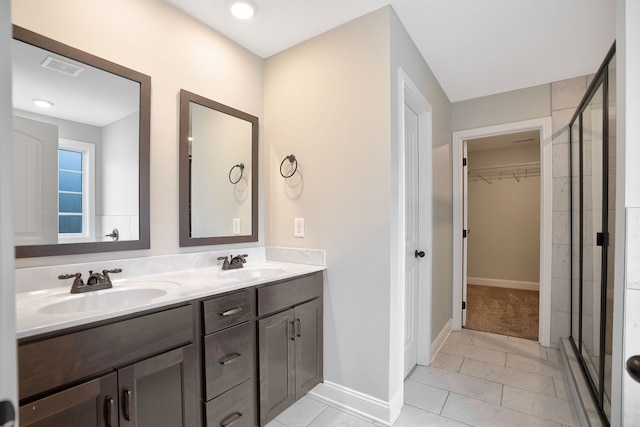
point(42, 103)
point(243, 9)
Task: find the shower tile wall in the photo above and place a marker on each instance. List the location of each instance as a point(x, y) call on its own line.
point(565, 97)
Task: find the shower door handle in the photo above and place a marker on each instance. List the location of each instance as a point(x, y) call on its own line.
point(633, 367)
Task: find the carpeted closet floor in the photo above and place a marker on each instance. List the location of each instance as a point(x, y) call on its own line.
point(512, 312)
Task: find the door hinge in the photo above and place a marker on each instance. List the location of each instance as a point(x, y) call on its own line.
point(464, 234)
point(464, 305)
point(464, 161)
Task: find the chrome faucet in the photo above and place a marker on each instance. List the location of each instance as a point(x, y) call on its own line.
point(95, 282)
point(236, 261)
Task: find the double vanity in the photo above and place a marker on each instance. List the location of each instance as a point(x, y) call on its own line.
point(197, 347)
point(188, 344)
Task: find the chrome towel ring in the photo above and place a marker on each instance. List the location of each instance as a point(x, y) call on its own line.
point(291, 159)
point(241, 167)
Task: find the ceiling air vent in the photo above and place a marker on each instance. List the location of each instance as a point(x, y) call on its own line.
point(61, 66)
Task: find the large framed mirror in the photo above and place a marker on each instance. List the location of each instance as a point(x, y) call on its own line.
point(218, 173)
point(81, 150)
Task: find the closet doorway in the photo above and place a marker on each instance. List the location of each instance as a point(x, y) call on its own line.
point(459, 172)
point(502, 214)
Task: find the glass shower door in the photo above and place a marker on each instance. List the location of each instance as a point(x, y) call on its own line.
point(592, 197)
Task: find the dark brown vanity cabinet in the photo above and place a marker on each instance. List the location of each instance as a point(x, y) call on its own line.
point(290, 339)
point(92, 404)
point(229, 360)
point(138, 372)
point(236, 359)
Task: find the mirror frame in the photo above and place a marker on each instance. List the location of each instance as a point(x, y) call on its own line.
point(27, 251)
point(185, 237)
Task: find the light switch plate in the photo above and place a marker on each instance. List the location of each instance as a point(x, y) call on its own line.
point(298, 227)
point(236, 225)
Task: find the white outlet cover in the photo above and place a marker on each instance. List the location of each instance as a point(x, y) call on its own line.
point(236, 225)
point(298, 227)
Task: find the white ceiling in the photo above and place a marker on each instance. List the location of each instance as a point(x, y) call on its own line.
point(474, 47)
point(95, 97)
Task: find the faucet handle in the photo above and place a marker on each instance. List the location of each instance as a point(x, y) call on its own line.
point(105, 274)
point(77, 282)
point(69, 276)
point(225, 264)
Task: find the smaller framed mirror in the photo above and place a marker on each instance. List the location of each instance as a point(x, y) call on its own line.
point(218, 152)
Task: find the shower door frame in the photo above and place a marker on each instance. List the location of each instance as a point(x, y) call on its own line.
point(601, 78)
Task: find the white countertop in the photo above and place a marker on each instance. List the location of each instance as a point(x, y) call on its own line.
point(179, 286)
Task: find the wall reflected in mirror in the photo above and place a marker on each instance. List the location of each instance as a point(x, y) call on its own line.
point(218, 173)
point(79, 142)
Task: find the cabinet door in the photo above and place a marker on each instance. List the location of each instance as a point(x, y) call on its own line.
point(160, 391)
point(308, 346)
point(277, 381)
point(94, 403)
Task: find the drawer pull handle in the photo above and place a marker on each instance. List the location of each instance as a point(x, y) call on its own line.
point(126, 407)
point(109, 406)
point(228, 359)
point(231, 312)
point(231, 419)
point(298, 328)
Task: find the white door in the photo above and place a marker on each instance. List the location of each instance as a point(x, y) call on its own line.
point(412, 240)
point(465, 227)
point(36, 182)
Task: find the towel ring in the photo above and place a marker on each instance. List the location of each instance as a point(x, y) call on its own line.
point(241, 166)
point(291, 159)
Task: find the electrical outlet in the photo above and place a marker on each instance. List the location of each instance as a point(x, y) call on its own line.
point(298, 227)
point(236, 225)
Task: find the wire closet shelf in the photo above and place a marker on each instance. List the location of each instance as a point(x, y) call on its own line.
point(515, 171)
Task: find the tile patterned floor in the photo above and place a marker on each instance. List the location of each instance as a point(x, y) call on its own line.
point(477, 379)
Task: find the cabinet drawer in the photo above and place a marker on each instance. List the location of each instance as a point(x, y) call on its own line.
point(287, 294)
point(53, 362)
point(236, 407)
point(225, 311)
point(229, 356)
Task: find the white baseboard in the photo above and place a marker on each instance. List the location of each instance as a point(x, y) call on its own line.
point(437, 344)
point(500, 283)
point(353, 402)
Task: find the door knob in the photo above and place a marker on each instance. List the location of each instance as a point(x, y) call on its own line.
point(7, 414)
point(419, 254)
point(633, 367)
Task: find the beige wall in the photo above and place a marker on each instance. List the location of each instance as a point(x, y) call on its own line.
point(508, 107)
point(327, 101)
point(504, 219)
point(178, 52)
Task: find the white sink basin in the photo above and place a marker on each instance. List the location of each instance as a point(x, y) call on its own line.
point(252, 273)
point(107, 299)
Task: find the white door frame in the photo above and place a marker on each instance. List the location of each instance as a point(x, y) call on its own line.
point(408, 92)
point(544, 125)
point(8, 365)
